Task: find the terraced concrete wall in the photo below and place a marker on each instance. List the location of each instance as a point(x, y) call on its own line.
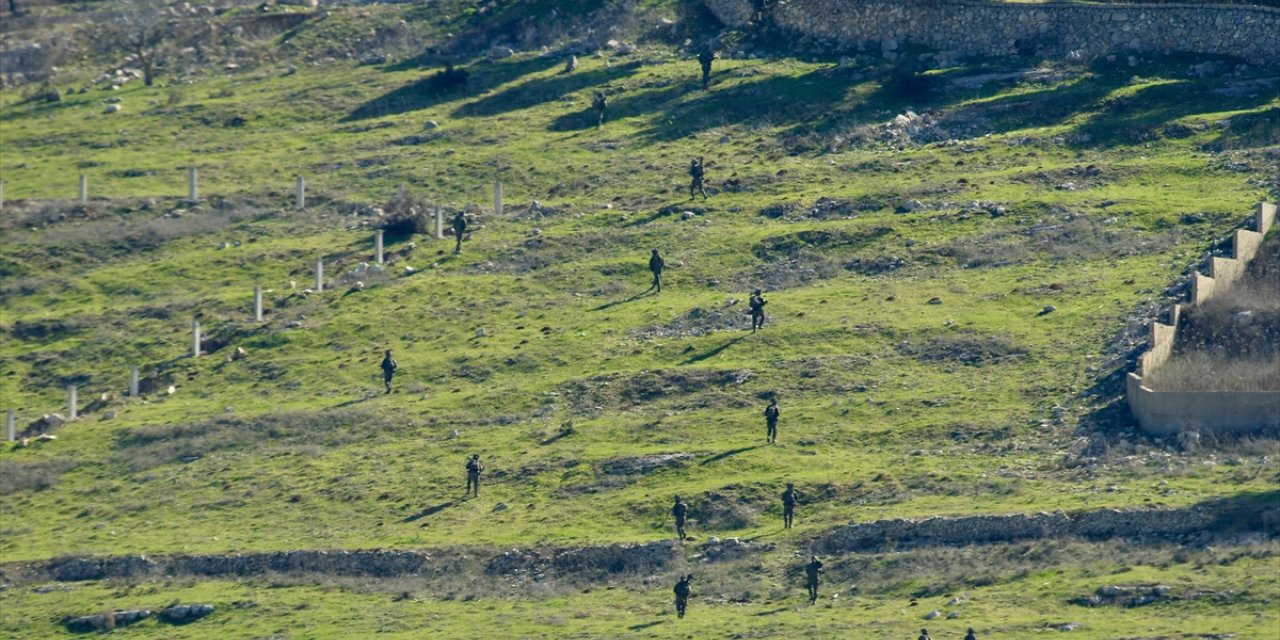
point(1053, 28)
point(1223, 272)
point(1169, 412)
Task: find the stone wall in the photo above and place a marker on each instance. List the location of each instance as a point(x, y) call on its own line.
point(1053, 29)
point(1163, 524)
point(1169, 412)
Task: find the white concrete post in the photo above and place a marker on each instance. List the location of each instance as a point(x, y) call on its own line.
point(10, 426)
point(84, 189)
point(195, 338)
point(319, 274)
point(300, 189)
point(133, 381)
point(439, 223)
point(72, 402)
point(497, 196)
point(257, 304)
point(193, 190)
point(377, 246)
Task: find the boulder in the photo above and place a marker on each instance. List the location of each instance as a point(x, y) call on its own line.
point(185, 613)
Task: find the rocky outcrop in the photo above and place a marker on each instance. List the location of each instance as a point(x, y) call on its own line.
point(967, 27)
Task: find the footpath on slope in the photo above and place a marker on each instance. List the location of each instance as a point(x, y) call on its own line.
point(1198, 524)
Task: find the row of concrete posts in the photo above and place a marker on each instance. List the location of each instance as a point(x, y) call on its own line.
point(300, 194)
point(193, 195)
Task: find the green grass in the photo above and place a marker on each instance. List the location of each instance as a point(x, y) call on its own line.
point(890, 429)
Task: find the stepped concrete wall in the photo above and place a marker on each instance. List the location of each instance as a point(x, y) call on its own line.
point(1052, 28)
point(1170, 412)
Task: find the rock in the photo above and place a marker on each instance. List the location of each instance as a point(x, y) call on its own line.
point(1069, 626)
point(110, 415)
point(571, 64)
point(431, 124)
point(171, 390)
point(724, 139)
point(1189, 441)
point(1048, 308)
point(47, 422)
point(910, 206)
point(498, 53)
point(453, 434)
point(932, 614)
point(480, 333)
point(408, 270)
point(935, 300)
point(185, 613)
point(309, 4)
point(99, 622)
point(359, 286)
point(501, 506)
point(112, 108)
point(239, 354)
point(953, 615)
point(1242, 318)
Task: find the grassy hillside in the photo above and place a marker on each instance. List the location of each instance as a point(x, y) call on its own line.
point(1088, 189)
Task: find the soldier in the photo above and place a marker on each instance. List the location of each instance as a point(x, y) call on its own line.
point(680, 510)
point(656, 264)
point(389, 367)
point(697, 170)
point(924, 635)
point(757, 303)
point(599, 103)
point(788, 505)
point(705, 58)
point(970, 635)
point(459, 228)
point(811, 572)
point(474, 469)
point(682, 594)
point(771, 414)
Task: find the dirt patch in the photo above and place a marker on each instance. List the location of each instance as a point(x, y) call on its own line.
point(790, 245)
point(1076, 178)
point(700, 321)
point(644, 465)
point(33, 475)
point(621, 391)
point(152, 446)
point(1074, 238)
point(966, 348)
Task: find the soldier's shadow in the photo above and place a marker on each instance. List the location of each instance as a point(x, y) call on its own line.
point(610, 305)
point(714, 352)
point(428, 511)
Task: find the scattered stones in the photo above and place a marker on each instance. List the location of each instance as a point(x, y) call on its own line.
point(112, 108)
point(431, 124)
point(932, 614)
point(935, 300)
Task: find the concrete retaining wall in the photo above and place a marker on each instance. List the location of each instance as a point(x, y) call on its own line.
point(1054, 28)
point(1169, 412)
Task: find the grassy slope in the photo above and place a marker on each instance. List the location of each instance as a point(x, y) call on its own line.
point(851, 392)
